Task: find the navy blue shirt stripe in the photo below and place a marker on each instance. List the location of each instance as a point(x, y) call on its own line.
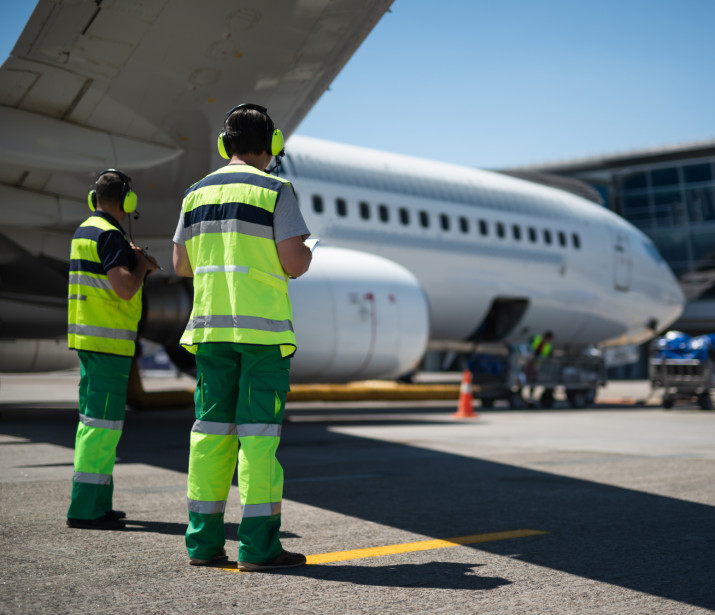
point(229, 211)
point(112, 247)
point(221, 179)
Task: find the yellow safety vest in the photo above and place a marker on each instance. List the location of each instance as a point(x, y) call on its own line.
point(98, 319)
point(240, 288)
point(545, 349)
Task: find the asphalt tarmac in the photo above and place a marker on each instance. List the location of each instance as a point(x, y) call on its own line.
point(400, 507)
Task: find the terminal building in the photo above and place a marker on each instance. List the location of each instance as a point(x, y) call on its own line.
point(669, 194)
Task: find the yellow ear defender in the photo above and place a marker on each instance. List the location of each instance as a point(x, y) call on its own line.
point(274, 138)
point(129, 197)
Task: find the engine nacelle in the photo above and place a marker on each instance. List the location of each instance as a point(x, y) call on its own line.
point(357, 316)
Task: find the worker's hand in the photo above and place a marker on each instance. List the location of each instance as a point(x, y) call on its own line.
point(144, 260)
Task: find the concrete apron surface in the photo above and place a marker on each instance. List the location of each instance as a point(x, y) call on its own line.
point(607, 510)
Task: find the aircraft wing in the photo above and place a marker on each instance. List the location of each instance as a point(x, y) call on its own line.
point(137, 84)
point(143, 86)
point(146, 68)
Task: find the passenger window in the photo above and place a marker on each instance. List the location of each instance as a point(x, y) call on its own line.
point(317, 204)
point(464, 225)
point(483, 227)
point(444, 221)
point(424, 219)
point(547, 236)
point(562, 239)
point(341, 207)
point(364, 210)
point(383, 213)
point(576, 241)
point(404, 216)
point(532, 234)
point(516, 231)
point(500, 230)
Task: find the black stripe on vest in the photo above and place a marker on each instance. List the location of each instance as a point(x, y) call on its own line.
point(80, 264)
point(88, 232)
point(222, 179)
point(228, 211)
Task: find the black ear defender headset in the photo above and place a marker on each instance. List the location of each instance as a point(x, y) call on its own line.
point(274, 138)
point(128, 197)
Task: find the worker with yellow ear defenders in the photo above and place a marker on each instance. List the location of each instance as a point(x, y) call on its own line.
point(105, 304)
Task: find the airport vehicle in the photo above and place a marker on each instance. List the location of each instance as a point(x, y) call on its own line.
point(509, 372)
point(414, 254)
point(684, 368)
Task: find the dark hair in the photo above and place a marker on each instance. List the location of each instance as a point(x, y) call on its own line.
point(247, 131)
point(110, 188)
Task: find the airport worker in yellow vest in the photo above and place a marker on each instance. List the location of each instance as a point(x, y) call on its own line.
point(105, 302)
point(542, 345)
point(240, 236)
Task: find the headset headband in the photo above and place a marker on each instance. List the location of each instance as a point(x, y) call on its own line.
point(274, 137)
point(128, 197)
point(123, 176)
point(258, 108)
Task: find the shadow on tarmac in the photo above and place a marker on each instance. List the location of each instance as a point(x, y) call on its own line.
point(434, 575)
point(648, 543)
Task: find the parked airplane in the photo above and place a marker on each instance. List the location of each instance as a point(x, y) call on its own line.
point(414, 254)
point(465, 256)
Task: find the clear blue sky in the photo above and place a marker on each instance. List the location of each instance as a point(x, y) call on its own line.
point(497, 84)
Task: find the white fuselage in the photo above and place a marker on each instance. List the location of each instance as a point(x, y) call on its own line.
point(471, 237)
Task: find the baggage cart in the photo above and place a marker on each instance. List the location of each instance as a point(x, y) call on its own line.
point(684, 367)
point(683, 379)
point(505, 373)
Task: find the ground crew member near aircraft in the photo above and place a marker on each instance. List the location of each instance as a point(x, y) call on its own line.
point(105, 302)
point(240, 236)
point(541, 347)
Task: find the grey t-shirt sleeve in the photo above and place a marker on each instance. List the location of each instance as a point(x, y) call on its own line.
point(287, 220)
point(180, 235)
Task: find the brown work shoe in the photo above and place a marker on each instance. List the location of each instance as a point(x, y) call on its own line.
point(285, 559)
point(203, 562)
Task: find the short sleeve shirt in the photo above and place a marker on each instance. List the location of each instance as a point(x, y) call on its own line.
point(113, 248)
point(287, 219)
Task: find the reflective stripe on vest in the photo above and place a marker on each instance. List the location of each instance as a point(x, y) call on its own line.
point(98, 319)
point(240, 288)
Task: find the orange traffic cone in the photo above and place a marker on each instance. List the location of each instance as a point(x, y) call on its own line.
point(465, 409)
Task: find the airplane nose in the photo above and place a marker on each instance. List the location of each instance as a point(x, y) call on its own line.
point(671, 298)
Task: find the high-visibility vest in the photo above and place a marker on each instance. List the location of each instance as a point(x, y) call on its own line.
point(545, 349)
point(98, 319)
point(240, 287)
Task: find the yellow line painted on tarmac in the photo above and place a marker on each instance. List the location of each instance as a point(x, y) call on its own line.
point(411, 547)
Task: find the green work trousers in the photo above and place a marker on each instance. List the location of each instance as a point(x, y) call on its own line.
point(240, 398)
point(102, 404)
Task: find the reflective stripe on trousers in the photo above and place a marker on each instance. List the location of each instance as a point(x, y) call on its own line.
point(217, 445)
point(102, 400)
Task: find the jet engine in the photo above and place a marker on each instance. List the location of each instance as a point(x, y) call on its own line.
point(356, 316)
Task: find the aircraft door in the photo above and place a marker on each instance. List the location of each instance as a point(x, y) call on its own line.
point(622, 262)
